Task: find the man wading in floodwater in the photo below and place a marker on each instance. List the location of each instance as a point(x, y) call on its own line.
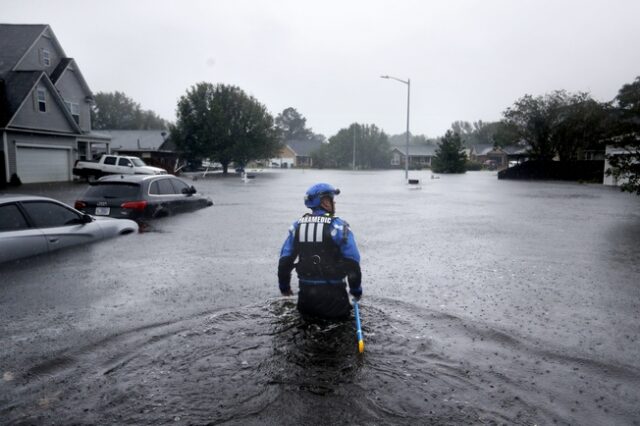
point(327, 254)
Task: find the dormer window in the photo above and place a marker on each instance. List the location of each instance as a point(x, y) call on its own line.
point(46, 57)
point(41, 99)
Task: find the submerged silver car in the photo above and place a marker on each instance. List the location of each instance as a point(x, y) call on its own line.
point(31, 225)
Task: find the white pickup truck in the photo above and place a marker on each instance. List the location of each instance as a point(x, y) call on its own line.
point(114, 165)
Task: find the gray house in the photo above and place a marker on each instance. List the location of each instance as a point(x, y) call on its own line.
point(420, 156)
point(296, 154)
point(45, 121)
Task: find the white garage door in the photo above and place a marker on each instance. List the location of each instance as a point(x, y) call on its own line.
point(42, 164)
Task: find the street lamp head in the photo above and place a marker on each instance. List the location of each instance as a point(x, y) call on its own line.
point(384, 76)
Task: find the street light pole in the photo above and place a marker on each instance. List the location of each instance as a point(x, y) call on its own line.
point(354, 146)
point(408, 83)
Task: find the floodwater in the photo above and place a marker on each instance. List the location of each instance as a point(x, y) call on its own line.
point(485, 302)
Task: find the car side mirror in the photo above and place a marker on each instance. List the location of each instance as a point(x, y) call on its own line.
point(130, 165)
point(86, 218)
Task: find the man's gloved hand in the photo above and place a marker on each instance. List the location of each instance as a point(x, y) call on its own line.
point(356, 293)
point(285, 288)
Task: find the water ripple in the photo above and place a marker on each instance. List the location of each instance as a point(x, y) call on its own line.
point(264, 364)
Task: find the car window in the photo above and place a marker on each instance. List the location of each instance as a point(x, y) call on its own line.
point(124, 162)
point(114, 190)
point(11, 219)
point(179, 185)
point(154, 189)
point(138, 162)
point(161, 187)
point(110, 160)
point(48, 215)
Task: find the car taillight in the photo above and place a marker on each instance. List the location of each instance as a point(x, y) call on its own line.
point(134, 205)
point(79, 205)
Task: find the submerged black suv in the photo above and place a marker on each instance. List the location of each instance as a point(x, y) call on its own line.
point(140, 197)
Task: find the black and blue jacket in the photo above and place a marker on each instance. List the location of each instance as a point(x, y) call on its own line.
point(326, 252)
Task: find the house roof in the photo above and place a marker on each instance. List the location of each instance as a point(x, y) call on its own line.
point(137, 140)
point(15, 40)
point(515, 149)
point(62, 66)
point(416, 150)
point(16, 86)
point(168, 145)
point(482, 148)
point(304, 148)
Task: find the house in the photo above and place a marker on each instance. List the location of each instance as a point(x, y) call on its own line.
point(517, 154)
point(489, 155)
point(153, 146)
point(420, 156)
point(297, 154)
point(612, 150)
point(45, 120)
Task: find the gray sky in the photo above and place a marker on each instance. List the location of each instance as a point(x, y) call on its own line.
point(467, 60)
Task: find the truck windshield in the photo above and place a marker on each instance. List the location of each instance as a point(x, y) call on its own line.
point(137, 162)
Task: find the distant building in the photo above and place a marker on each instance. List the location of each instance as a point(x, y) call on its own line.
point(496, 157)
point(488, 155)
point(45, 120)
point(420, 156)
point(296, 154)
point(611, 150)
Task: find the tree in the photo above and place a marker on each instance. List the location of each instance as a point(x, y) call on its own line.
point(224, 124)
point(450, 156)
point(559, 123)
point(505, 134)
point(372, 148)
point(118, 111)
point(625, 134)
point(496, 133)
point(401, 140)
point(535, 120)
point(580, 127)
point(293, 126)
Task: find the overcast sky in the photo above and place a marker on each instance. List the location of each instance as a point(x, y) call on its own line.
point(467, 60)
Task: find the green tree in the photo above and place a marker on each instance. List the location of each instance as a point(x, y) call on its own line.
point(463, 129)
point(559, 123)
point(580, 127)
point(372, 148)
point(450, 156)
point(496, 133)
point(117, 111)
point(293, 126)
point(224, 124)
point(625, 134)
point(505, 134)
point(535, 120)
point(401, 140)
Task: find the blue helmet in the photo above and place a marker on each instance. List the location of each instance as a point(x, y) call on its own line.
point(314, 195)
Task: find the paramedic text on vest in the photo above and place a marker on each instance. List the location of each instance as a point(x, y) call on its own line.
point(326, 254)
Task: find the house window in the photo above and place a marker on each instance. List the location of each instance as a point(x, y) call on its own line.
point(46, 57)
point(74, 109)
point(41, 98)
point(395, 160)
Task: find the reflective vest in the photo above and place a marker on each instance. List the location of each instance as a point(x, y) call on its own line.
point(319, 256)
